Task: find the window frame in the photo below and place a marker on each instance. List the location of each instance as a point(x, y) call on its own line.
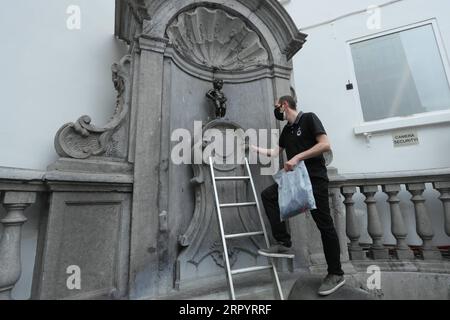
point(414, 120)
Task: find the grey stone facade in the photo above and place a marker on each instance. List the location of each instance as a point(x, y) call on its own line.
point(148, 229)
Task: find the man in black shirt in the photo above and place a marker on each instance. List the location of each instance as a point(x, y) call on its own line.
point(304, 139)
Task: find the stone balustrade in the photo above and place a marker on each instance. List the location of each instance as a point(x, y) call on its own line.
point(344, 187)
point(18, 190)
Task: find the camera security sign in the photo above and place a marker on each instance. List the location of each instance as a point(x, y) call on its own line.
point(405, 138)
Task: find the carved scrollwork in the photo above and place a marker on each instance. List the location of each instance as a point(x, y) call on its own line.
point(81, 139)
point(139, 10)
point(215, 39)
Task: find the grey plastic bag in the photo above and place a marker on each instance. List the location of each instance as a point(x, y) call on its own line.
point(295, 193)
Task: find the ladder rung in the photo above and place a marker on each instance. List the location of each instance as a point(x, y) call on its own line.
point(231, 178)
point(252, 269)
point(235, 205)
point(242, 235)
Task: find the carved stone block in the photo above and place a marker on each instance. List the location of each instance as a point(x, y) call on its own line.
point(88, 231)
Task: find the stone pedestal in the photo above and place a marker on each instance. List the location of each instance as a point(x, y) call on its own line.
point(86, 232)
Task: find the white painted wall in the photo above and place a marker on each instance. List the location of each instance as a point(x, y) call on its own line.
point(307, 13)
point(321, 71)
point(52, 75)
point(324, 66)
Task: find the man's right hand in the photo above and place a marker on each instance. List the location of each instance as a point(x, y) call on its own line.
point(254, 148)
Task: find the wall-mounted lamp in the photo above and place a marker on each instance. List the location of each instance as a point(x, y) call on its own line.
point(349, 86)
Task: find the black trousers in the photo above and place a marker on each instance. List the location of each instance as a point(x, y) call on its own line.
point(321, 216)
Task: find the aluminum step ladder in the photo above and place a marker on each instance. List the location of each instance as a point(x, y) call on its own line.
point(230, 273)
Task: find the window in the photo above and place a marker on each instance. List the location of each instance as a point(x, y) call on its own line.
point(401, 74)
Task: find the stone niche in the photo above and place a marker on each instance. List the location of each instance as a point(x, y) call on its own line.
point(155, 230)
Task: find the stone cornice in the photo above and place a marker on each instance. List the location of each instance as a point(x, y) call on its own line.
point(15, 179)
point(270, 12)
point(386, 178)
point(130, 15)
point(155, 44)
point(275, 16)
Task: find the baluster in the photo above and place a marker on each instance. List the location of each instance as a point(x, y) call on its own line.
point(423, 222)
point(398, 228)
point(352, 225)
point(444, 189)
point(10, 262)
point(338, 214)
point(374, 227)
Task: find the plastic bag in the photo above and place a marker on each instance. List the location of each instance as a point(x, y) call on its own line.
point(295, 193)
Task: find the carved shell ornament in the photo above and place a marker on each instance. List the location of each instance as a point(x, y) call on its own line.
point(215, 39)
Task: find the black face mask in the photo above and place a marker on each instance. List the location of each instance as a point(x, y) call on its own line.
point(278, 114)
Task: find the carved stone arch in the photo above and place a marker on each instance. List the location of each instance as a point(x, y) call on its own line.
point(283, 38)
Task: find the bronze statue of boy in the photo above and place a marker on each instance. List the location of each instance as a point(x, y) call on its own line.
point(218, 97)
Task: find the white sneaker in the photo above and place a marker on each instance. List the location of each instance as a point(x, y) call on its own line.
point(331, 284)
point(277, 251)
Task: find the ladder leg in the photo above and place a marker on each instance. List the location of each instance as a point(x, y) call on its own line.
point(276, 279)
point(222, 234)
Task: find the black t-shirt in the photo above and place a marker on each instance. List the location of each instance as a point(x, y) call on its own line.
point(301, 136)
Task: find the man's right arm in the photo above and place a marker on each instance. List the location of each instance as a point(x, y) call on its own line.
point(268, 152)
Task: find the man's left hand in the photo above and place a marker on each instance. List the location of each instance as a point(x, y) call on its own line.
point(289, 166)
